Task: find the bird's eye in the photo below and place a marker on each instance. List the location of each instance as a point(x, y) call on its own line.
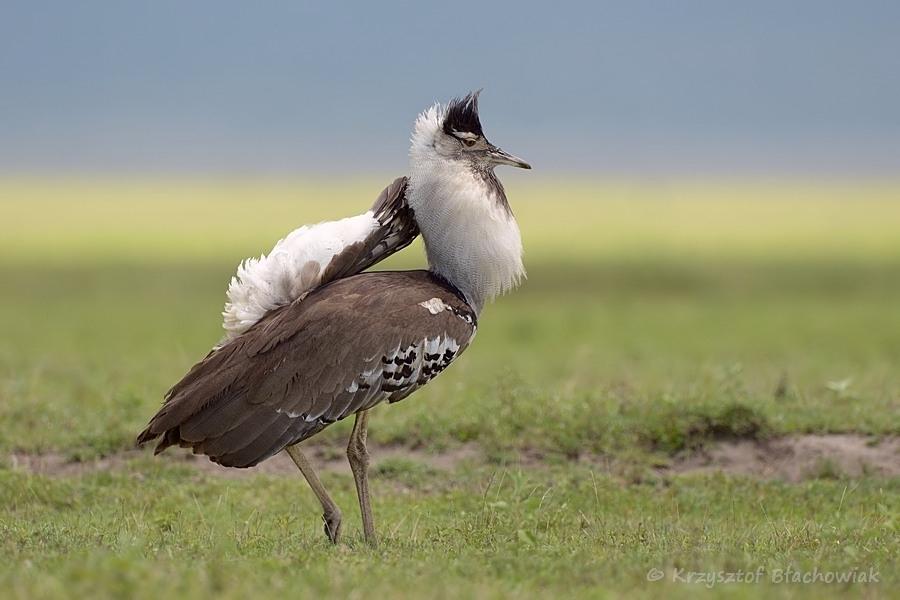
point(469, 143)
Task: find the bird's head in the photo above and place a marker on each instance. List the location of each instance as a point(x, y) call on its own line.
point(453, 133)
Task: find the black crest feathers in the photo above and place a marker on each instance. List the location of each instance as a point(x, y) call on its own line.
point(462, 115)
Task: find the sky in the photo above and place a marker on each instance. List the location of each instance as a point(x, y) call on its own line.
point(221, 86)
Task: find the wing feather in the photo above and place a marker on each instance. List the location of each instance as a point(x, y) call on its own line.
point(315, 255)
point(344, 348)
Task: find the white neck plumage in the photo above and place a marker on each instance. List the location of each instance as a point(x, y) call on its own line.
point(471, 237)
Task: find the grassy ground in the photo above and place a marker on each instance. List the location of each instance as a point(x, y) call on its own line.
point(656, 319)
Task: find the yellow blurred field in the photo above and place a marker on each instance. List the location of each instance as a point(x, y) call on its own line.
point(74, 221)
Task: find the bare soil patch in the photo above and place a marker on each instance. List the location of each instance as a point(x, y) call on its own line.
point(797, 457)
point(324, 458)
point(791, 458)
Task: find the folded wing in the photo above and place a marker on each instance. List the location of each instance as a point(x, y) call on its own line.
point(351, 344)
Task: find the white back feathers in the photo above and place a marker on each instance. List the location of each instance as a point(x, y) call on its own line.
point(314, 255)
point(292, 269)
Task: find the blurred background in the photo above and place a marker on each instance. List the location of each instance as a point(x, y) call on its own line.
point(715, 190)
point(715, 184)
point(712, 236)
point(640, 89)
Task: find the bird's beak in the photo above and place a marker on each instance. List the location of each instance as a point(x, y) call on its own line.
point(500, 157)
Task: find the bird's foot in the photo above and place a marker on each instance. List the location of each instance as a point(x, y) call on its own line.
point(332, 522)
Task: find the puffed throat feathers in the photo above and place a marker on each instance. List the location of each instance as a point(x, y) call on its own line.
point(471, 236)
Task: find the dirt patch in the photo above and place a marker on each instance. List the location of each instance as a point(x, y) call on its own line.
point(59, 465)
point(330, 459)
point(324, 458)
point(796, 458)
point(792, 458)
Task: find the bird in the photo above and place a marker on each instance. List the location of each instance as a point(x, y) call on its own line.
point(313, 337)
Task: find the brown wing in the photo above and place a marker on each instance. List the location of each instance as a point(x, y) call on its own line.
point(348, 346)
point(398, 229)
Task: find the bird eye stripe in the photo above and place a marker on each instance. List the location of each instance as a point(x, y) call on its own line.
point(465, 135)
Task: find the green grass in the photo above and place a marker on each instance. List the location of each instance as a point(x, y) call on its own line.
point(656, 319)
point(157, 530)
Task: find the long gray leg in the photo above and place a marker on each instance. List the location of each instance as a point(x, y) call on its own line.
point(358, 456)
point(331, 513)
